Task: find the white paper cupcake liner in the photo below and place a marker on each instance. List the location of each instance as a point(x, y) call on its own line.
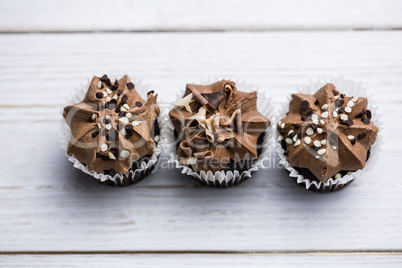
point(221, 178)
point(349, 88)
point(118, 179)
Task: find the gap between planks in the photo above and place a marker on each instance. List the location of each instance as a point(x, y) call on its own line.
point(212, 252)
point(206, 30)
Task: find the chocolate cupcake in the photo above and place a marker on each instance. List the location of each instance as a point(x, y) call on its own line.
point(327, 136)
point(218, 133)
point(112, 133)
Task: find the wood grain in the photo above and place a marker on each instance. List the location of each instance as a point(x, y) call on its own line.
point(206, 260)
point(207, 15)
point(48, 206)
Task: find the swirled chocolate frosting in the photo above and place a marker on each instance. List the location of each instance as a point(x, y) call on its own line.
point(217, 124)
point(111, 128)
point(327, 133)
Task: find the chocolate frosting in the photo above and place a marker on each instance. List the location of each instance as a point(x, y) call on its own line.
point(111, 127)
point(217, 124)
point(327, 132)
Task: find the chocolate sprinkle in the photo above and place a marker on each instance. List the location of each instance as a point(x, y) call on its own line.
point(297, 126)
point(99, 95)
point(316, 102)
point(368, 114)
point(361, 136)
point(98, 155)
point(95, 134)
point(119, 93)
point(341, 110)
point(138, 103)
point(151, 92)
point(124, 98)
point(129, 130)
point(366, 120)
point(339, 102)
point(106, 80)
point(336, 92)
point(105, 157)
point(130, 86)
point(300, 135)
point(349, 122)
point(122, 114)
point(353, 141)
point(304, 104)
point(116, 85)
point(291, 135)
point(113, 101)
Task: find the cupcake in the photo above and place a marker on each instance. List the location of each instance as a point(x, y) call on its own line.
point(218, 133)
point(112, 134)
point(326, 137)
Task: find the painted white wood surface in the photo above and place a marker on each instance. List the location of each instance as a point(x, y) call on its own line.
point(47, 205)
point(156, 15)
point(206, 260)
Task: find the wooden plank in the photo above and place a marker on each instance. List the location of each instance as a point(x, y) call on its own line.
point(47, 205)
point(204, 260)
point(159, 15)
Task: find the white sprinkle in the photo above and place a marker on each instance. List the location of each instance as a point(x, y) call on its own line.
point(297, 143)
point(100, 84)
point(349, 173)
point(321, 151)
point(99, 125)
point(337, 109)
point(338, 176)
point(295, 138)
point(289, 141)
point(354, 99)
point(322, 122)
point(136, 123)
point(351, 137)
point(108, 126)
point(129, 115)
point(104, 94)
point(111, 156)
point(324, 114)
point(156, 139)
point(108, 91)
point(344, 117)
point(348, 109)
point(279, 123)
point(350, 103)
point(309, 131)
point(104, 147)
point(307, 140)
point(280, 138)
point(290, 131)
point(126, 106)
point(123, 109)
point(334, 114)
point(283, 125)
point(324, 107)
point(317, 156)
point(114, 96)
point(334, 147)
point(324, 142)
point(107, 116)
point(124, 154)
point(123, 131)
point(93, 116)
point(124, 120)
point(315, 121)
point(314, 117)
point(319, 130)
point(317, 143)
point(108, 99)
point(337, 97)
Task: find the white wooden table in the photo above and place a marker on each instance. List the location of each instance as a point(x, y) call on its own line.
point(54, 215)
